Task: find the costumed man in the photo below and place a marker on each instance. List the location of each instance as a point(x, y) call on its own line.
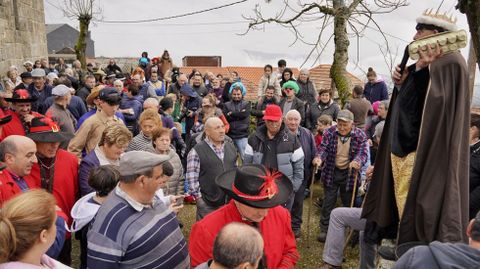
point(419, 189)
point(22, 114)
point(257, 194)
point(56, 171)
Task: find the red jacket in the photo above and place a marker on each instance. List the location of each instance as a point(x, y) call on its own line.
point(65, 181)
point(280, 245)
point(15, 126)
point(8, 187)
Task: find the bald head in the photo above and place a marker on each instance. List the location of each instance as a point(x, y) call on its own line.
point(215, 129)
point(237, 244)
point(18, 154)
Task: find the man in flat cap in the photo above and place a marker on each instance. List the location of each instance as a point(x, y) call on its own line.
point(40, 90)
point(419, 189)
point(134, 228)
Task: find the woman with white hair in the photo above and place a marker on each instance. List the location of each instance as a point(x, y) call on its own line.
point(308, 93)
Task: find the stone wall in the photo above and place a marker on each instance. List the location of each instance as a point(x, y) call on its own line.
point(22, 33)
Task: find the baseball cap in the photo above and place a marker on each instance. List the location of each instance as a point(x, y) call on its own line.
point(110, 95)
point(345, 115)
point(137, 162)
point(272, 112)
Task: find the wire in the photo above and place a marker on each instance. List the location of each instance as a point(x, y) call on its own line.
point(172, 17)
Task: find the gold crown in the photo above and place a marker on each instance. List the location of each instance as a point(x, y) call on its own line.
point(437, 15)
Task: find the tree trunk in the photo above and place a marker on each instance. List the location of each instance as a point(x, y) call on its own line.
point(340, 57)
point(471, 8)
point(81, 46)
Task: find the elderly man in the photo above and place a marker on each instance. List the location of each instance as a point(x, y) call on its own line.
point(205, 162)
point(134, 228)
point(56, 170)
point(112, 67)
point(39, 90)
point(292, 121)
point(421, 189)
point(88, 135)
point(256, 194)
point(237, 112)
point(343, 152)
point(18, 155)
point(59, 112)
point(237, 245)
point(175, 87)
point(275, 147)
point(198, 86)
point(21, 115)
point(307, 93)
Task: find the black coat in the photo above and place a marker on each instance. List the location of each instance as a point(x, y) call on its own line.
point(474, 205)
point(296, 104)
point(238, 116)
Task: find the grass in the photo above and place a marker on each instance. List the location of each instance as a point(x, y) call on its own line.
point(310, 254)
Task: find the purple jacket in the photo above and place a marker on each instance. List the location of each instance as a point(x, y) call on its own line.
point(88, 163)
point(328, 153)
point(376, 91)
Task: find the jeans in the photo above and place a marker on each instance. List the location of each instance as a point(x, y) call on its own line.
point(241, 144)
point(340, 219)
point(340, 178)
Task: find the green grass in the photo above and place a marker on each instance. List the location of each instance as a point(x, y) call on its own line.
point(310, 254)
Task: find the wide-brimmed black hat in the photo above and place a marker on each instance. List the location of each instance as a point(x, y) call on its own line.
point(255, 186)
point(21, 96)
point(44, 129)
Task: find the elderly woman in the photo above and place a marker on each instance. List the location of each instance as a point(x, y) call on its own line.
point(208, 110)
point(308, 93)
point(161, 144)
point(27, 230)
point(148, 121)
point(12, 80)
point(113, 143)
point(324, 106)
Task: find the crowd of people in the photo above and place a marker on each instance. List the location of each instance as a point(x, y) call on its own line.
point(108, 157)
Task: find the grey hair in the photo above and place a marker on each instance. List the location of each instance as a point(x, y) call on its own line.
point(151, 101)
point(305, 71)
point(385, 103)
point(293, 112)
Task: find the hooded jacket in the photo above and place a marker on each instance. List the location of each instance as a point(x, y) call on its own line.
point(440, 255)
point(83, 212)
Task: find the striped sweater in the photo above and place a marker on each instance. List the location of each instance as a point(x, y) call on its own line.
point(126, 236)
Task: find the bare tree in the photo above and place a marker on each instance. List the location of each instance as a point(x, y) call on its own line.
point(355, 15)
point(471, 9)
point(84, 11)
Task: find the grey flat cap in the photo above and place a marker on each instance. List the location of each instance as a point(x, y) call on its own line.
point(137, 162)
point(38, 72)
point(345, 115)
point(60, 90)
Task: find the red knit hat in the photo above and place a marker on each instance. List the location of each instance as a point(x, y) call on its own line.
point(273, 112)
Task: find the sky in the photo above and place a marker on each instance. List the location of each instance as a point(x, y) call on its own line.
point(218, 32)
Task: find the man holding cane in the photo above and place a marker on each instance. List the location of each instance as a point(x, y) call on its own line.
point(344, 150)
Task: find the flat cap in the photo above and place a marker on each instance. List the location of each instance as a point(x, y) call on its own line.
point(137, 162)
point(345, 115)
point(60, 90)
point(38, 72)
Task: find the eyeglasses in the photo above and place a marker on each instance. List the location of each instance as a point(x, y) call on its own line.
point(288, 89)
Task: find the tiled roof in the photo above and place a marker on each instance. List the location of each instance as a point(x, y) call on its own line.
point(251, 76)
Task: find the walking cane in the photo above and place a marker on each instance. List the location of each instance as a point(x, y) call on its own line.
point(352, 202)
point(315, 170)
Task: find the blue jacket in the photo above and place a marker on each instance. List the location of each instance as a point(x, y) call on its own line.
point(136, 105)
point(309, 151)
point(376, 91)
point(39, 105)
point(88, 163)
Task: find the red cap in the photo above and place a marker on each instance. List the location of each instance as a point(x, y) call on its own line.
point(273, 112)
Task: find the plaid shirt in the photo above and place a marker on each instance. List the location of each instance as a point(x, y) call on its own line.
point(328, 152)
point(193, 168)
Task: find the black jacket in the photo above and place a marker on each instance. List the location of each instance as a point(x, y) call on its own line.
point(296, 104)
point(474, 205)
point(238, 116)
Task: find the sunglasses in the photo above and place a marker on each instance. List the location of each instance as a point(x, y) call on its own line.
point(288, 89)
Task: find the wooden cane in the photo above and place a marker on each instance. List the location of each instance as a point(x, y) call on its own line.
point(352, 202)
point(315, 170)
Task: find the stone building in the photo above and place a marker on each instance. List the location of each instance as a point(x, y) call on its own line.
point(22, 33)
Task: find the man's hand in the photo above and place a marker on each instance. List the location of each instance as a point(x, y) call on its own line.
point(397, 77)
point(427, 57)
point(175, 208)
point(176, 199)
point(317, 162)
point(355, 165)
point(369, 172)
point(28, 118)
